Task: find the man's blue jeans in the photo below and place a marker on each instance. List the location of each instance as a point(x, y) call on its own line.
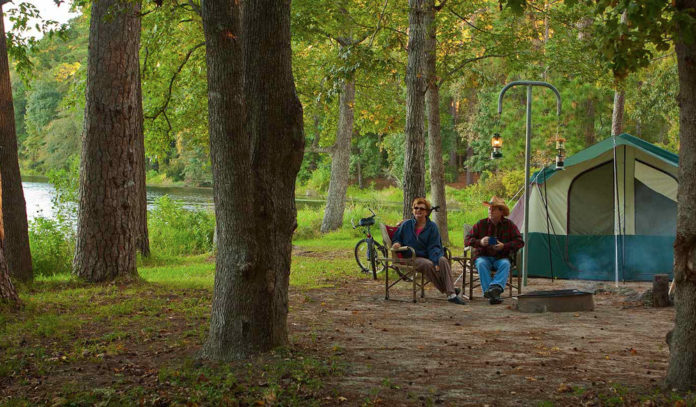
point(484, 265)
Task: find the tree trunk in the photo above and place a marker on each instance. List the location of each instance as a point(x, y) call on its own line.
point(469, 173)
point(106, 234)
point(360, 179)
point(340, 161)
point(660, 291)
point(256, 152)
point(414, 160)
point(681, 373)
point(16, 242)
point(455, 146)
point(588, 125)
point(275, 116)
point(618, 113)
point(432, 101)
point(142, 241)
point(8, 294)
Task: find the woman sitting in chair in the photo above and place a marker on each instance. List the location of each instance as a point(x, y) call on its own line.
point(422, 235)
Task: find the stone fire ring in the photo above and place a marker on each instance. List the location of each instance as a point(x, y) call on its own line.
point(555, 301)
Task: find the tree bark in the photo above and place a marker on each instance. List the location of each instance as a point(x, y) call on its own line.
point(618, 112)
point(340, 160)
point(142, 240)
point(106, 238)
point(681, 373)
point(414, 160)
point(8, 293)
point(432, 101)
point(275, 117)
point(660, 291)
point(453, 152)
point(16, 242)
point(257, 144)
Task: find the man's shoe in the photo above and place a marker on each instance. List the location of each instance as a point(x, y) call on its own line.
point(457, 300)
point(495, 291)
point(488, 293)
point(457, 290)
point(494, 300)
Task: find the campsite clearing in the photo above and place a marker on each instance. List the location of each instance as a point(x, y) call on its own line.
point(402, 353)
point(78, 344)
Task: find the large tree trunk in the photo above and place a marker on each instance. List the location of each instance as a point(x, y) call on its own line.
point(8, 294)
point(237, 255)
point(106, 237)
point(432, 101)
point(275, 118)
point(414, 160)
point(340, 161)
point(681, 373)
point(618, 112)
point(16, 240)
point(256, 152)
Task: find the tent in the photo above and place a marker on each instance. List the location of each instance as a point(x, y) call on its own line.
point(610, 215)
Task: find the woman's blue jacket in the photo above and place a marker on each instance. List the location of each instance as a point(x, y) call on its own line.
point(427, 244)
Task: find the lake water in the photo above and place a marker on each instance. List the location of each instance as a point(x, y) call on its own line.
point(38, 194)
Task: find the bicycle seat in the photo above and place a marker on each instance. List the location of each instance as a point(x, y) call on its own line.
point(367, 221)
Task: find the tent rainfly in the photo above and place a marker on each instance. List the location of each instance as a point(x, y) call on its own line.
point(610, 215)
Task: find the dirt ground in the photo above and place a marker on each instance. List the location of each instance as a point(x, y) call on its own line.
point(399, 353)
point(435, 352)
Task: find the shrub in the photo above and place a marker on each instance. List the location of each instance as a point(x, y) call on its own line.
point(177, 231)
point(52, 247)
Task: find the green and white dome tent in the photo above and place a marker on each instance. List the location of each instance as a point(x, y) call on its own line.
point(610, 215)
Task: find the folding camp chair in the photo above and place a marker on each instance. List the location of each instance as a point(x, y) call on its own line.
point(402, 261)
point(469, 266)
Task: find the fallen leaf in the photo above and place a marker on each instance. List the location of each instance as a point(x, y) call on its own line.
point(564, 388)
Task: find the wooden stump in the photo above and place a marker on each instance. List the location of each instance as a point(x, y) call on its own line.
point(660, 290)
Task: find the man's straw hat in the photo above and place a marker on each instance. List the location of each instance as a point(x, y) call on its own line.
point(500, 203)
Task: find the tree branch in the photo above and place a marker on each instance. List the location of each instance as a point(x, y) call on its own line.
point(468, 23)
point(468, 61)
point(171, 82)
point(379, 23)
point(440, 6)
point(322, 150)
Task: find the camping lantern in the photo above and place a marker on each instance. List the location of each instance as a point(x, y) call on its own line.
point(560, 154)
point(497, 144)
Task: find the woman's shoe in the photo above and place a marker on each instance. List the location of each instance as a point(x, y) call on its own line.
point(457, 300)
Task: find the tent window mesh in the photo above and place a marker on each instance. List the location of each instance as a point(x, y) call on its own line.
point(656, 215)
point(591, 202)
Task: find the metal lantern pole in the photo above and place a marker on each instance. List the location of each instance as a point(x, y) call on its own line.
point(527, 154)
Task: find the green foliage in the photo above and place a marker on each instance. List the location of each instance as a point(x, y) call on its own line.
point(66, 182)
point(320, 178)
point(174, 230)
point(52, 247)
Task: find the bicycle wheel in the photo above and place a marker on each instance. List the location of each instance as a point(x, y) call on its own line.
point(380, 251)
point(361, 256)
point(373, 256)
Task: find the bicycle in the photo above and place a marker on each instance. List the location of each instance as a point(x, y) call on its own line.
point(368, 249)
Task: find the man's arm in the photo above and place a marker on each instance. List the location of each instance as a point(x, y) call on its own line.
point(474, 236)
point(516, 242)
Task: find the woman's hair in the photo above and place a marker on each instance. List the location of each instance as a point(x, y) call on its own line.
point(423, 201)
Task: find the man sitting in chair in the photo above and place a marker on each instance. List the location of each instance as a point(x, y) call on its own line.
point(493, 239)
point(423, 236)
